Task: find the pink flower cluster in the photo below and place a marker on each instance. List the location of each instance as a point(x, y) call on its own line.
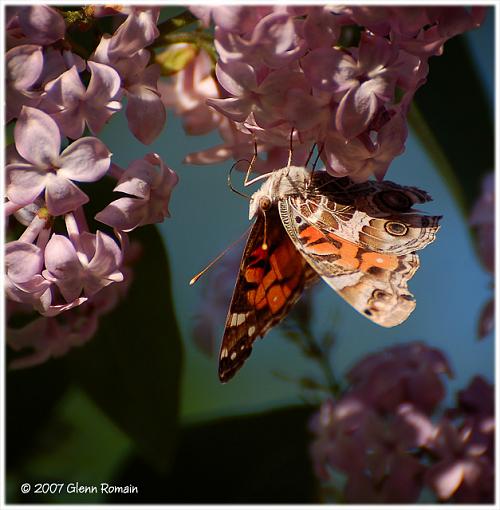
point(381, 434)
point(482, 219)
point(57, 263)
point(341, 77)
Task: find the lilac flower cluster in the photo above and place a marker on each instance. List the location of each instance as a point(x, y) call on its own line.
point(341, 77)
point(55, 96)
point(382, 437)
point(482, 219)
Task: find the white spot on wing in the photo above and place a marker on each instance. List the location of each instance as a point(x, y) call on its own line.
point(251, 330)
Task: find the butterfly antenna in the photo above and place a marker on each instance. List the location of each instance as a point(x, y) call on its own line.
point(196, 277)
point(230, 184)
point(310, 154)
point(316, 162)
point(318, 156)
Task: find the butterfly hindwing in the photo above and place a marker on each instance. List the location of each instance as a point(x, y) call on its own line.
point(367, 258)
point(268, 284)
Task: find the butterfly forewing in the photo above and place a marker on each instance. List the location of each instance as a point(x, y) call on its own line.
point(269, 282)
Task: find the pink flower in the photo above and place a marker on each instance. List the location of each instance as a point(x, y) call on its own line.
point(74, 106)
point(135, 33)
point(38, 141)
point(462, 471)
point(363, 83)
point(24, 282)
point(321, 28)
point(273, 42)
point(152, 182)
point(362, 157)
point(268, 101)
point(47, 338)
point(374, 450)
point(406, 373)
point(187, 94)
point(483, 220)
point(24, 66)
point(145, 111)
point(38, 24)
point(87, 266)
point(233, 18)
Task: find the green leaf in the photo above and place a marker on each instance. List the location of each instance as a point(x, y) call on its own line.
point(456, 112)
point(78, 444)
point(261, 458)
point(31, 396)
point(132, 367)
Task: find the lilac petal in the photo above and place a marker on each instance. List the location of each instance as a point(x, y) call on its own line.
point(146, 114)
point(62, 196)
point(86, 160)
point(107, 258)
point(104, 83)
point(15, 100)
point(233, 107)
point(67, 90)
point(123, 214)
point(23, 65)
point(356, 109)
point(136, 32)
point(22, 260)
point(237, 78)
point(446, 477)
point(42, 24)
point(329, 69)
point(63, 267)
point(321, 28)
point(61, 258)
point(375, 52)
point(37, 137)
point(137, 179)
point(277, 28)
point(71, 122)
point(24, 182)
point(103, 89)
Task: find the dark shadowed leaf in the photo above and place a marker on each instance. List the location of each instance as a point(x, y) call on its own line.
point(262, 458)
point(31, 396)
point(457, 114)
point(132, 367)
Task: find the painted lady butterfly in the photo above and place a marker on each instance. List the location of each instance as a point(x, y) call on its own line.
point(360, 238)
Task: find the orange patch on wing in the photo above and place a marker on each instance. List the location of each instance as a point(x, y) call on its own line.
point(269, 279)
point(384, 261)
point(311, 234)
point(254, 274)
point(276, 298)
point(348, 253)
point(323, 249)
point(251, 297)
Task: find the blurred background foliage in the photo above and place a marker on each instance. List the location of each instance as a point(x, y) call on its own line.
point(140, 404)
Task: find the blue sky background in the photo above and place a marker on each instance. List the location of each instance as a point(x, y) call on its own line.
point(450, 286)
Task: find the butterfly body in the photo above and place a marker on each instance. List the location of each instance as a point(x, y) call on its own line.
point(360, 238)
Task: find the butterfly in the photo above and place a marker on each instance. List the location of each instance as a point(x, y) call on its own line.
point(360, 238)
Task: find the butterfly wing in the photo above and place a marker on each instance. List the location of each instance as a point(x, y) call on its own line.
point(268, 284)
point(378, 216)
point(360, 243)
